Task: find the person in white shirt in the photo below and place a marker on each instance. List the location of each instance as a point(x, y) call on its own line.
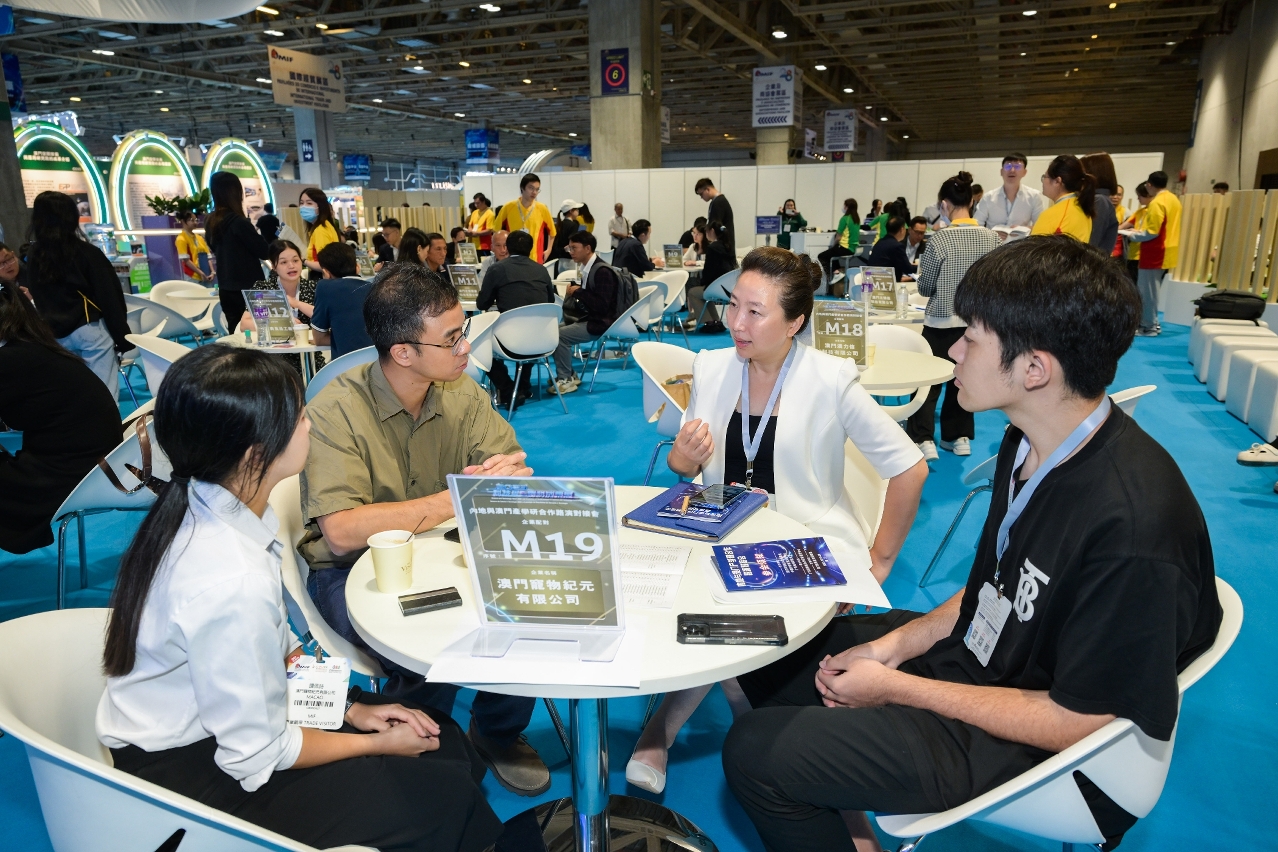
point(499, 253)
point(808, 405)
point(1011, 205)
point(196, 695)
point(618, 226)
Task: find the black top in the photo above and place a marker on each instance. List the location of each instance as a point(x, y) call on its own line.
point(515, 282)
point(386, 253)
point(630, 254)
point(1104, 223)
point(85, 289)
point(268, 225)
point(63, 410)
point(1112, 580)
point(686, 240)
point(564, 229)
point(719, 260)
point(339, 310)
point(721, 211)
point(239, 250)
point(890, 252)
point(734, 457)
point(599, 297)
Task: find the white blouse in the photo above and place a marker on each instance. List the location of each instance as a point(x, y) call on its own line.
point(211, 646)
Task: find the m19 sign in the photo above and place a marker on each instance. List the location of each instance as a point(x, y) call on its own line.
point(615, 79)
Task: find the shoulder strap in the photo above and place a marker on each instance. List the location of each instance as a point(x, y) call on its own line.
point(144, 477)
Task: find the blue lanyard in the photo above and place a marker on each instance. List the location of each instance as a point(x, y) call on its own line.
point(1016, 506)
point(751, 445)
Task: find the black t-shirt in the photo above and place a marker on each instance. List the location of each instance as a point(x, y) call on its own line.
point(686, 240)
point(734, 457)
point(1112, 580)
point(386, 253)
point(721, 210)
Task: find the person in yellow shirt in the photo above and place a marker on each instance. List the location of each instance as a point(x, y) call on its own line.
point(1135, 222)
point(1117, 200)
point(321, 228)
point(193, 252)
point(479, 225)
point(1164, 208)
point(585, 218)
point(528, 214)
point(1073, 191)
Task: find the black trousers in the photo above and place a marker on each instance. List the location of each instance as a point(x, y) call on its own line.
point(793, 763)
point(955, 421)
point(431, 803)
point(233, 307)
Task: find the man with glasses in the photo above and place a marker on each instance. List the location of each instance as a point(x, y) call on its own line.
point(916, 239)
point(384, 437)
point(1011, 205)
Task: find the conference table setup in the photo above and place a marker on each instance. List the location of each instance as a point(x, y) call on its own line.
point(307, 350)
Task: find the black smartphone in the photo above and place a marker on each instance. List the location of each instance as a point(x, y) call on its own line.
point(719, 496)
point(418, 602)
point(453, 535)
point(703, 629)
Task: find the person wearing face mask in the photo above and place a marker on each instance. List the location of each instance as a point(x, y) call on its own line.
point(774, 413)
point(1073, 194)
point(791, 220)
point(321, 227)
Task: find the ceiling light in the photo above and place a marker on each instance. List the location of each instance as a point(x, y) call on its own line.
point(159, 91)
point(848, 91)
point(460, 114)
point(1113, 5)
point(321, 26)
point(572, 134)
point(1029, 13)
point(819, 67)
point(73, 99)
point(268, 10)
point(274, 33)
point(725, 136)
point(104, 52)
point(164, 109)
point(1022, 53)
point(1170, 43)
point(464, 64)
point(419, 67)
point(869, 106)
point(44, 102)
point(882, 118)
point(905, 136)
point(263, 80)
point(1075, 69)
point(779, 33)
point(526, 80)
point(1095, 35)
point(377, 100)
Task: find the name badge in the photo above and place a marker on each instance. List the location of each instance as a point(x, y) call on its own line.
point(317, 692)
point(987, 624)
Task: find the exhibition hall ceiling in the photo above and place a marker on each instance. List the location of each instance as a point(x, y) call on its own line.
point(419, 73)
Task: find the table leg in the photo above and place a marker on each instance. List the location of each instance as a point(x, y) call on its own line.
point(308, 368)
point(588, 718)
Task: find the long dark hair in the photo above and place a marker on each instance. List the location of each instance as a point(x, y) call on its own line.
point(228, 203)
point(586, 215)
point(721, 236)
point(412, 239)
point(849, 209)
point(1074, 178)
point(55, 229)
point(325, 214)
point(956, 190)
point(214, 407)
point(19, 322)
point(1101, 167)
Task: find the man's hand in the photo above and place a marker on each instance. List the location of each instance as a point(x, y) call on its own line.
point(857, 682)
point(402, 740)
point(382, 717)
point(500, 465)
point(572, 288)
point(659, 262)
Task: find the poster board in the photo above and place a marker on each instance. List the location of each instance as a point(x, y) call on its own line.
point(838, 328)
point(51, 159)
point(146, 163)
point(777, 100)
point(466, 279)
point(240, 159)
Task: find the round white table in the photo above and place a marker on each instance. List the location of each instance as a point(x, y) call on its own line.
point(667, 665)
point(308, 351)
point(900, 368)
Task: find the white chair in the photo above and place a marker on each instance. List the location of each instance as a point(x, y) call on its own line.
point(867, 488)
point(480, 337)
point(336, 367)
point(1262, 411)
point(96, 494)
point(606, 256)
point(624, 330)
point(1120, 759)
point(157, 354)
point(50, 682)
point(176, 326)
point(1223, 355)
point(172, 294)
point(1212, 333)
point(1127, 399)
point(658, 362)
point(532, 332)
point(676, 299)
point(718, 291)
point(220, 327)
point(1199, 331)
point(656, 305)
point(1242, 379)
point(885, 336)
point(129, 359)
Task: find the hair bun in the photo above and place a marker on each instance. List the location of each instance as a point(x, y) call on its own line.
point(964, 178)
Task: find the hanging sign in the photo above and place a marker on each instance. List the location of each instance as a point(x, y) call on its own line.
point(777, 101)
point(241, 159)
point(304, 80)
point(615, 77)
point(809, 143)
point(357, 167)
point(145, 164)
point(52, 159)
point(840, 129)
point(483, 145)
point(665, 125)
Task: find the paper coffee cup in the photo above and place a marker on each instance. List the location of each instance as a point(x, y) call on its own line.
point(302, 335)
point(392, 560)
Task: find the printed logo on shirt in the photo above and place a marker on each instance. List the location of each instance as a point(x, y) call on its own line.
point(1027, 590)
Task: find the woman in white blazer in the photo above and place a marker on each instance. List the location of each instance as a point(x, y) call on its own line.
point(799, 455)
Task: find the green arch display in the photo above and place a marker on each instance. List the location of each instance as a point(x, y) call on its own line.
point(238, 157)
point(145, 163)
point(53, 159)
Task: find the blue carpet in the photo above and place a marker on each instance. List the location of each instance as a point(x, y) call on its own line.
point(1225, 749)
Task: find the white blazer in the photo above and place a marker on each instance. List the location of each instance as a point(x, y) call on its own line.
point(822, 405)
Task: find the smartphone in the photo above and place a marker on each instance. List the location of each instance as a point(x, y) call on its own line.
point(719, 496)
point(418, 602)
point(453, 535)
point(702, 629)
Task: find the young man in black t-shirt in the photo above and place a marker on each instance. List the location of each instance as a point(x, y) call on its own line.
point(1101, 591)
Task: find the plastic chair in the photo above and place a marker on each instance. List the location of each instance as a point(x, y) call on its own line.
point(606, 256)
point(1129, 766)
point(129, 359)
point(658, 362)
point(50, 682)
point(867, 489)
point(176, 325)
point(885, 336)
point(219, 321)
point(676, 283)
point(625, 329)
point(157, 355)
point(718, 291)
point(96, 494)
point(336, 367)
point(656, 305)
point(1127, 399)
point(480, 336)
point(533, 332)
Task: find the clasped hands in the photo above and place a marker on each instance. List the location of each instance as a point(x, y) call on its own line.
point(403, 731)
point(502, 464)
point(861, 676)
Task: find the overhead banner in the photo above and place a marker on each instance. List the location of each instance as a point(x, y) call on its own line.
point(146, 164)
point(483, 146)
point(840, 130)
point(777, 101)
point(809, 143)
point(242, 160)
point(615, 79)
point(53, 160)
point(665, 125)
point(304, 80)
point(357, 167)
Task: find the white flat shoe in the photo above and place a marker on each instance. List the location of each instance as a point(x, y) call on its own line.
point(645, 777)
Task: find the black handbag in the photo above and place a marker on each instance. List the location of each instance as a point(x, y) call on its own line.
point(1231, 304)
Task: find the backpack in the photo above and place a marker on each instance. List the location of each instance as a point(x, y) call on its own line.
point(627, 290)
point(1230, 304)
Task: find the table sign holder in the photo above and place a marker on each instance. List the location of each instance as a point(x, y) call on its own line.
point(883, 297)
point(674, 256)
point(468, 254)
point(466, 279)
point(543, 561)
point(838, 328)
point(767, 225)
point(271, 314)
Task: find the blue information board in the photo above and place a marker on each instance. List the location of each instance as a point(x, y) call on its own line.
point(767, 224)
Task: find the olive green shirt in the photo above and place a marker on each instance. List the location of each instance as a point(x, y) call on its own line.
point(365, 448)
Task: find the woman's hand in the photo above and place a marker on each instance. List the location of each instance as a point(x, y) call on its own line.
point(382, 717)
point(692, 448)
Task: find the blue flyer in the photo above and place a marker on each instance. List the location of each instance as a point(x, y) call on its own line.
point(797, 563)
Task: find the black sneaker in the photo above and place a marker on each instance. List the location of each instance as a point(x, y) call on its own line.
point(517, 767)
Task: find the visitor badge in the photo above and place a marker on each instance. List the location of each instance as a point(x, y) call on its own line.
point(992, 611)
point(317, 692)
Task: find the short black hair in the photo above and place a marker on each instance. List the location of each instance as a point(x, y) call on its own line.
point(527, 179)
point(402, 296)
point(1059, 295)
point(584, 238)
point(640, 227)
point(268, 207)
point(977, 189)
point(699, 222)
point(894, 224)
point(918, 220)
point(1158, 179)
point(1220, 184)
point(434, 235)
point(452, 235)
point(520, 243)
point(704, 183)
point(338, 260)
point(391, 223)
point(1015, 158)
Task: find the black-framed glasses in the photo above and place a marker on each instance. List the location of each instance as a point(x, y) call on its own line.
point(455, 346)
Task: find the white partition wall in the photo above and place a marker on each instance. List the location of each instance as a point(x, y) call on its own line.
point(666, 201)
point(814, 195)
point(933, 173)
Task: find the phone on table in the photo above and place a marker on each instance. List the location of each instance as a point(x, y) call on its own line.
point(703, 629)
point(453, 535)
point(719, 496)
point(418, 602)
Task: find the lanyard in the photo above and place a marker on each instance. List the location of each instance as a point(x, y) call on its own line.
point(751, 445)
point(1016, 506)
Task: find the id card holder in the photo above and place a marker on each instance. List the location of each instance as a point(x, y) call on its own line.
point(317, 692)
point(987, 624)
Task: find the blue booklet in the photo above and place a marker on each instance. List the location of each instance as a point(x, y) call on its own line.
point(649, 517)
point(797, 563)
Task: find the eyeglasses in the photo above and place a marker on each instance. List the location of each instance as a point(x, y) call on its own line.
point(1013, 167)
point(455, 346)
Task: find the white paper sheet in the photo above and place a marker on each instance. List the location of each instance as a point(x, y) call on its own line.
point(544, 662)
point(650, 589)
point(654, 558)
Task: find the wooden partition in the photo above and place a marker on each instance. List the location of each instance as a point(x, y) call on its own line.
point(1230, 241)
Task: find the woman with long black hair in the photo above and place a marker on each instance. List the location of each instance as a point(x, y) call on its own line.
point(67, 418)
point(321, 225)
point(75, 288)
point(721, 258)
point(195, 647)
point(1072, 190)
point(237, 245)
